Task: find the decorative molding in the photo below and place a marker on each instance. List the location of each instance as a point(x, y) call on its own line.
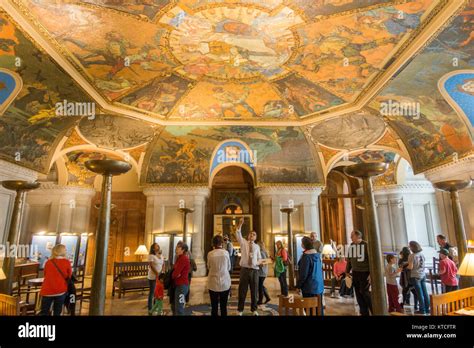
point(463, 168)
point(177, 189)
point(415, 187)
point(16, 172)
point(53, 188)
point(276, 190)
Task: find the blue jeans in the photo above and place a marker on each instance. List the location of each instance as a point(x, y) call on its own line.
point(152, 284)
point(422, 294)
point(180, 299)
point(56, 301)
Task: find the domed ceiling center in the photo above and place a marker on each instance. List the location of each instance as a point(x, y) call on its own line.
point(237, 42)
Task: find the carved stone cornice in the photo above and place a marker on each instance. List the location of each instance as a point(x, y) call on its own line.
point(288, 189)
point(463, 168)
point(52, 188)
point(409, 187)
point(178, 190)
point(13, 171)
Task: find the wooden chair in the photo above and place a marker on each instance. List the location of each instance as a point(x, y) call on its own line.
point(444, 304)
point(433, 277)
point(9, 305)
point(309, 306)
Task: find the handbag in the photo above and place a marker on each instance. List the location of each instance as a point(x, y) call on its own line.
point(70, 300)
point(348, 280)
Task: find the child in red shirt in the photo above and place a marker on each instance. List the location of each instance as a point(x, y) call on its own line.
point(447, 271)
point(157, 307)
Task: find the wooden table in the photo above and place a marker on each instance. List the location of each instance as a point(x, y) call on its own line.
point(470, 308)
point(35, 282)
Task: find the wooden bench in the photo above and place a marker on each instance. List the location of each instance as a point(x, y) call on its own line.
point(130, 276)
point(309, 306)
point(445, 304)
point(9, 305)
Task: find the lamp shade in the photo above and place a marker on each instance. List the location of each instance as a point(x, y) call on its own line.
point(328, 250)
point(141, 250)
point(2, 274)
point(467, 266)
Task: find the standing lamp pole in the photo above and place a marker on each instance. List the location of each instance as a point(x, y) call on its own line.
point(185, 212)
point(291, 266)
point(366, 171)
point(108, 169)
point(453, 187)
point(21, 187)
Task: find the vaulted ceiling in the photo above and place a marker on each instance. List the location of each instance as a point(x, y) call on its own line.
point(305, 77)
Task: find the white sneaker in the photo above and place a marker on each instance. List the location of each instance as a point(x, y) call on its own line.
point(241, 314)
point(255, 313)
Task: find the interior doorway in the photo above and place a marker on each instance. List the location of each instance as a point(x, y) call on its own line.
point(232, 197)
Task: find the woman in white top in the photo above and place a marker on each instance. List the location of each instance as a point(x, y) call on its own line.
point(155, 267)
point(218, 280)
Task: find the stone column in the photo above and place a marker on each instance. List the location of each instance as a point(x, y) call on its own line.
point(162, 216)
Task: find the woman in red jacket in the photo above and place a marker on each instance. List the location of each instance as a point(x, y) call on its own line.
point(57, 271)
point(180, 279)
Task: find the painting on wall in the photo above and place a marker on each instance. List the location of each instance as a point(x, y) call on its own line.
point(458, 89)
point(346, 52)
point(158, 97)
point(10, 86)
point(116, 132)
point(305, 96)
point(238, 60)
point(349, 131)
point(30, 126)
point(436, 133)
point(183, 154)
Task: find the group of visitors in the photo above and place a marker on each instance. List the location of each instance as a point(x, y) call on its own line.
point(411, 268)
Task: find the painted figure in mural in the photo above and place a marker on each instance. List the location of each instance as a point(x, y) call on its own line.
point(230, 101)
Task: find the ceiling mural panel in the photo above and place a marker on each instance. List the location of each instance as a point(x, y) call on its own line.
point(29, 128)
point(115, 132)
point(183, 154)
point(416, 109)
point(350, 131)
point(118, 57)
point(309, 56)
point(344, 53)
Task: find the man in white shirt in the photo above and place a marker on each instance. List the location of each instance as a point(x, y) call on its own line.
point(249, 266)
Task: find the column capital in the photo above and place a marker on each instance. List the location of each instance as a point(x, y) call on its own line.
point(406, 188)
point(461, 169)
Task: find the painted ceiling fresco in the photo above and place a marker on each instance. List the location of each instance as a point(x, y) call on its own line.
point(433, 133)
point(227, 59)
point(115, 132)
point(183, 154)
point(349, 131)
point(29, 128)
point(78, 174)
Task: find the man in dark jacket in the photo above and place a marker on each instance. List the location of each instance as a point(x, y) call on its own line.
point(358, 263)
point(310, 271)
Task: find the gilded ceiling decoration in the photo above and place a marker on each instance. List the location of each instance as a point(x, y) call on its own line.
point(229, 60)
